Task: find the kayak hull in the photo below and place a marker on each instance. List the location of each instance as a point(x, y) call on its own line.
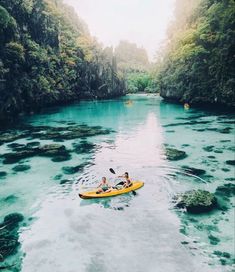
point(92, 194)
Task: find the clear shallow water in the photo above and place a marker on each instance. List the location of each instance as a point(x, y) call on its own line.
point(125, 233)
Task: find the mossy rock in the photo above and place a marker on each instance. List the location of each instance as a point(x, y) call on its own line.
point(222, 254)
point(8, 246)
point(70, 170)
point(21, 168)
point(225, 169)
point(15, 145)
point(3, 174)
point(10, 199)
point(56, 151)
point(223, 261)
point(32, 144)
point(13, 218)
point(61, 158)
point(197, 201)
point(194, 171)
point(58, 177)
point(211, 157)
point(64, 181)
point(67, 133)
point(173, 154)
point(230, 162)
point(9, 137)
point(226, 255)
point(230, 179)
point(219, 151)
point(84, 147)
point(10, 158)
point(226, 130)
point(213, 240)
point(51, 149)
point(208, 148)
point(226, 190)
point(217, 253)
point(9, 235)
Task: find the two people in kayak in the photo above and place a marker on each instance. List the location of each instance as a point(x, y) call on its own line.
point(105, 187)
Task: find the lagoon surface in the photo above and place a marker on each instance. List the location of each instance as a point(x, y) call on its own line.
point(141, 232)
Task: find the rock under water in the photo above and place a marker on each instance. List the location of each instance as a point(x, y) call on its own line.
point(197, 201)
point(8, 234)
point(194, 171)
point(173, 154)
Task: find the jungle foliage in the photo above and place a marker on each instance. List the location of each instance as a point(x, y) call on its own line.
point(133, 65)
point(197, 65)
point(47, 56)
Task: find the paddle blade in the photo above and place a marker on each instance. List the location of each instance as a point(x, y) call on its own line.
point(112, 171)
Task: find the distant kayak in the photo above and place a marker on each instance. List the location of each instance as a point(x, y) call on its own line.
point(92, 194)
point(186, 106)
point(128, 103)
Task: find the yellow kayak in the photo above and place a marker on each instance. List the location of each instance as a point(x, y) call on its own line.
point(92, 194)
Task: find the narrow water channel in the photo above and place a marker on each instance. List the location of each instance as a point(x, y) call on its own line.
point(142, 232)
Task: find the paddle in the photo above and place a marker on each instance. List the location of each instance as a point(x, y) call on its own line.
point(112, 171)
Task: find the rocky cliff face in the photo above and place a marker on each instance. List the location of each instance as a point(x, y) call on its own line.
point(48, 57)
point(207, 99)
point(198, 65)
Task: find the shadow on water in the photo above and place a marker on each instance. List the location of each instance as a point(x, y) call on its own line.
point(119, 202)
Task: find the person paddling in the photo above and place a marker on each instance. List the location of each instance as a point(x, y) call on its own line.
point(127, 183)
point(103, 186)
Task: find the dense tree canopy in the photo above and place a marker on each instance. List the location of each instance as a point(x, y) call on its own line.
point(47, 56)
point(198, 63)
point(133, 64)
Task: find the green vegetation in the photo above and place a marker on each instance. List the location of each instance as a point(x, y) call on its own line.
point(197, 65)
point(47, 56)
point(140, 82)
point(133, 65)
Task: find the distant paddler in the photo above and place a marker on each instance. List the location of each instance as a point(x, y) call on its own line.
point(186, 106)
point(129, 103)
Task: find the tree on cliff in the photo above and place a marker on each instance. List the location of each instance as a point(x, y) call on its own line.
point(47, 56)
point(198, 61)
point(133, 64)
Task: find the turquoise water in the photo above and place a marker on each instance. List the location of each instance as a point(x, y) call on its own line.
point(141, 232)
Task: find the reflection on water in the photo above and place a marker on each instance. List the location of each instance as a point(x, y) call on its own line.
point(115, 203)
point(129, 232)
